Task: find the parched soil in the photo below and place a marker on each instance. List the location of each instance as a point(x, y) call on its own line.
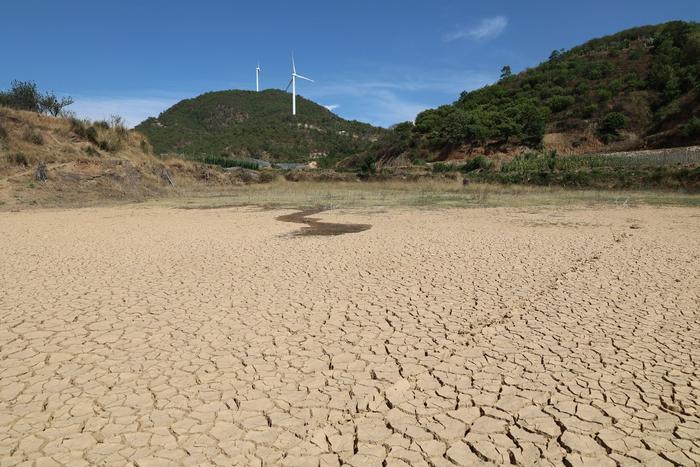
point(157, 336)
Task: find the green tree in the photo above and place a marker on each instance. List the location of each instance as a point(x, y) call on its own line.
point(506, 72)
point(22, 95)
point(52, 105)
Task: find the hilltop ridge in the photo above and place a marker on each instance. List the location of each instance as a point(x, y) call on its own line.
point(242, 124)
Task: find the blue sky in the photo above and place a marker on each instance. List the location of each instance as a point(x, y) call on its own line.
point(375, 61)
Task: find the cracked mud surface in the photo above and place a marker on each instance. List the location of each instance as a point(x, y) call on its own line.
point(458, 337)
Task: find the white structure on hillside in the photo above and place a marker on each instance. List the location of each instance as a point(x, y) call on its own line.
point(293, 84)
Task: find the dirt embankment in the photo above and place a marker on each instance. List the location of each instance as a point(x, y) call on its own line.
point(92, 162)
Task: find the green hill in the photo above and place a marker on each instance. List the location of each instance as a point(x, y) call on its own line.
point(240, 124)
point(636, 89)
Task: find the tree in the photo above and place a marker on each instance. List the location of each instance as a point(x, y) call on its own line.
point(556, 55)
point(52, 105)
point(610, 125)
point(23, 95)
point(506, 72)
point(533, 120)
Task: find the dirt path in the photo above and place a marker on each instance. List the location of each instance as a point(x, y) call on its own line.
point(455, 337)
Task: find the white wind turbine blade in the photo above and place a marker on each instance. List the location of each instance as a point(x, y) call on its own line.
point(290, 83)
point(294, 68)
point(303, 77)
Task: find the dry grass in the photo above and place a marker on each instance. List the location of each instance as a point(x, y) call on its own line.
point(424, 193)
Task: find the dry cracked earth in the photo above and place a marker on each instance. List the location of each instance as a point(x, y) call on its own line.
point(153, 336)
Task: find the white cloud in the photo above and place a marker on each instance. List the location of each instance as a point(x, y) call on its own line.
point(488, 28)
point(332, 107)
point(134, 110)
point(386, 102)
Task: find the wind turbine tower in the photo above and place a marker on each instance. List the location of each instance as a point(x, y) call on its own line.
point(293, 84)
point(258, 70)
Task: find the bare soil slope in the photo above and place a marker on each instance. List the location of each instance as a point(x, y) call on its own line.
point(91, 163)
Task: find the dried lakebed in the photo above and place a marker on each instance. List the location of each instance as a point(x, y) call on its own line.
point(134, 336)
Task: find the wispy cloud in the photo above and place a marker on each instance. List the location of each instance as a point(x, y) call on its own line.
point(386, 101)
point(134, 110)
point(332, 107)
point(488, 28)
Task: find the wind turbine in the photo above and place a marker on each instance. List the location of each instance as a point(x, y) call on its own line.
point(257, 77)
point(293, 84)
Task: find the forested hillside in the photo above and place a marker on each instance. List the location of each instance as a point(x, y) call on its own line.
point(242, 124)
point(639, 88)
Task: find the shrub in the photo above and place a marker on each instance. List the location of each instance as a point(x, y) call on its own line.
point(32, 136)
point(112, 144)
point(478, 163)
point(78, 127)
point(101, 124)
point(439, 167)
point(604, 95)
point(559, 103)
point(589, 110)
point(692, 128)
point(532, 162)
point(145, 147)
point(3, 133)
point(118, 124)
point(91, 151)
point(368, 166)
point(267, 177)
point(636, 54)
point(611, 123)
point(91, 134)
point(18, 158)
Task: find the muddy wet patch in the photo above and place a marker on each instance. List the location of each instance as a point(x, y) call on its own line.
point(313, 226)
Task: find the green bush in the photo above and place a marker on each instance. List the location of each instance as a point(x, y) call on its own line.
point(692, 128)
point(91, 134)
point(110, 144)
point(440, 167)
point(589, 110)
point(78, 127)
point(604, 95)
point(368, 165)
point(18, 158)
point(478, 163)
point(532, 162)
point(611, 124)
point(559, 103)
